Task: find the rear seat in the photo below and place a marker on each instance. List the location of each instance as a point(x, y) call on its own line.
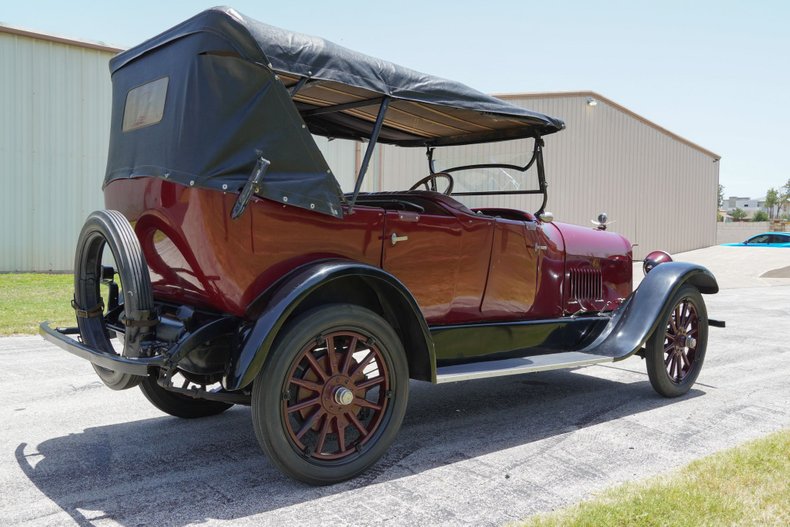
point(431, 202)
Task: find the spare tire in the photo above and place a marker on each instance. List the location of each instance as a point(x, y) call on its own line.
point(109, 228)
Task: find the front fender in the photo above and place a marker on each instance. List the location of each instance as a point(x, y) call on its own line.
point(637, 319)
point(278, 302)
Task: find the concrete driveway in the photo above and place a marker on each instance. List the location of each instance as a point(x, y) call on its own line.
point(477, 453)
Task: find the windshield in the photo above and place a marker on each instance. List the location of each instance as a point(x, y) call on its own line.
point(499, 182)
point(493, 167)
point(511, 168)
point(494, 179)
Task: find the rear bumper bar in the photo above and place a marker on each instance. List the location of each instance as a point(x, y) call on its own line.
point(133, 366)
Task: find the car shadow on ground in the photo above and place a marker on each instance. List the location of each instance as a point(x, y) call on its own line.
point(177, 472)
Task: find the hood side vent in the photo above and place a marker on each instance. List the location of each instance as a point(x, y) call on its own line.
point(586, 284)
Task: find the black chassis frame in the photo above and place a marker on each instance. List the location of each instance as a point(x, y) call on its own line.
point(616, 335)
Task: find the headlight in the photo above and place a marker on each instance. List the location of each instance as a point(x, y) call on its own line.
point(653, 259)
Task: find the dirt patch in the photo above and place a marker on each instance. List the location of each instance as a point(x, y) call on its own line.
point(782, 272)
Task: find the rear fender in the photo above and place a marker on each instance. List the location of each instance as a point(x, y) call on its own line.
point(636, 320)
point(274, 306)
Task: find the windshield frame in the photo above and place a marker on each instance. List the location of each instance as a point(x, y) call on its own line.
point(536, 159)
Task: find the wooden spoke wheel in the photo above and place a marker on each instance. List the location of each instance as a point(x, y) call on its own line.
point(676, 351)
point(331, 398)
point(337, 394)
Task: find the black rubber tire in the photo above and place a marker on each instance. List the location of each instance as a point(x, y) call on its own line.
point(660, 378)
point(179, 405)
point(116, 380)
point(110, 228)
point(271, 383)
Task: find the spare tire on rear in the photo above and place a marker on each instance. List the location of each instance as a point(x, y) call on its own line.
point(109, 228)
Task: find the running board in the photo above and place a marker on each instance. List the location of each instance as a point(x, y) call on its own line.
point(501, 368)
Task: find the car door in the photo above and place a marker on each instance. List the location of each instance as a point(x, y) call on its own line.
point(513, 274)
point(442, 259)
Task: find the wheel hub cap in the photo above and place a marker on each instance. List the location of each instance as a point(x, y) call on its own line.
point(343, 396)
point(680, 347)
point(338, 395)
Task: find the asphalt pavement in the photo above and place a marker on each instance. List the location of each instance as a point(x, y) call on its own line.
point(474, 453)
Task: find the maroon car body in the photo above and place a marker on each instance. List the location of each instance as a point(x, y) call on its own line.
point(475, 266)
point(229, 267)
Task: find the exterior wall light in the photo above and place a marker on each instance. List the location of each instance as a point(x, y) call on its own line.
point(591, 102)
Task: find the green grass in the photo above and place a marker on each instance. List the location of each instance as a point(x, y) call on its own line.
point(748, 485)
point(27, 299)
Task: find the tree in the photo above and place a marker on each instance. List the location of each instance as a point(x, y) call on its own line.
point(737, 214)
point(721, 194)
point(760, 215)
point(784, 199)
point(771, 201)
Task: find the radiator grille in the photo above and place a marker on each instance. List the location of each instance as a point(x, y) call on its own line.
point(586, 284)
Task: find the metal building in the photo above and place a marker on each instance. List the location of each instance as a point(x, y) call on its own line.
point(658, 188)
point(54, 130)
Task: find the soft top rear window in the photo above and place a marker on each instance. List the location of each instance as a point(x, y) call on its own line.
point(145, 105)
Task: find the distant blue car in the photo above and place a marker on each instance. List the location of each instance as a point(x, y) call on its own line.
point(766, 239)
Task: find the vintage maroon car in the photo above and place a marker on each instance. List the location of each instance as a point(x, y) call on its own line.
point(246, 276)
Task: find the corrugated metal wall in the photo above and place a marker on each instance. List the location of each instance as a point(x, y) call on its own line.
point(55, 112)
point(659, 190)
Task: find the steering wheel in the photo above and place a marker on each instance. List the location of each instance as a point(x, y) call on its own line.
point(429, 182)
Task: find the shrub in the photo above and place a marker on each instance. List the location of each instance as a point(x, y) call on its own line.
point(760, 215)
point(737, 214)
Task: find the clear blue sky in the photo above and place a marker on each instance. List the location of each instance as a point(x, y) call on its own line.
point(714, 72)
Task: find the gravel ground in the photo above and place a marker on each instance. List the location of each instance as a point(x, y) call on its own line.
point(476, 453)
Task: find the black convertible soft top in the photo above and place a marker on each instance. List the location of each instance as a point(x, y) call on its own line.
point(199, 103)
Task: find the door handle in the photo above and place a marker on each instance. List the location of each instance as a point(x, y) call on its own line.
point(395, 239)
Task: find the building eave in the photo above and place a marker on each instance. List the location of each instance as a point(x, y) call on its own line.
point(599, 97)
point(100, 46)
point(529, 95)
